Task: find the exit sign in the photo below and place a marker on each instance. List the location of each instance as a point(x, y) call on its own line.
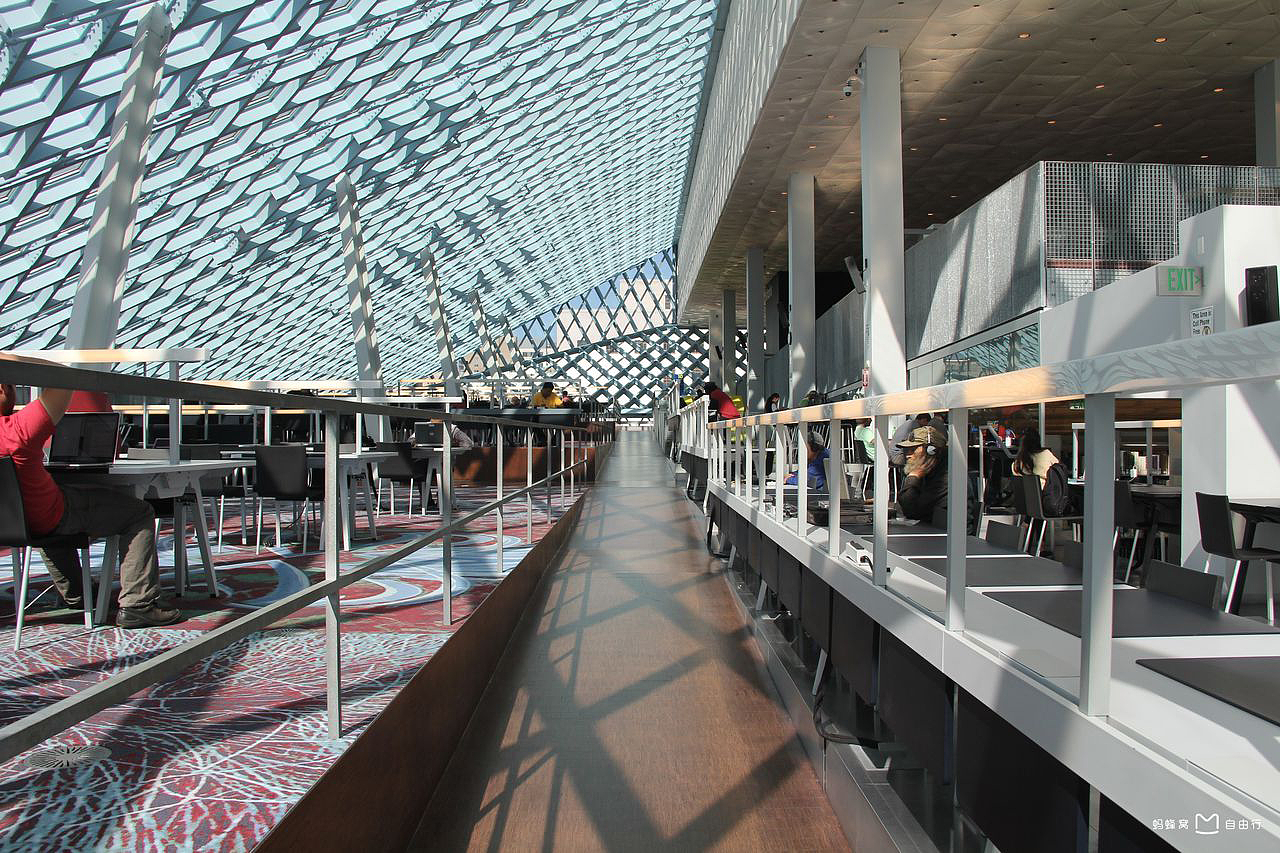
point(1179, 281)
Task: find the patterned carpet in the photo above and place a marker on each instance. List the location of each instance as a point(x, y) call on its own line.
point(211, 759)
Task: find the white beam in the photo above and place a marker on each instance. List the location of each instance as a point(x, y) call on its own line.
point(1266, 114)
point(802, 318)
point(95, 312)
point(884, 263)
point(440, 325)
point(755, 329)
point(715, 348)
point(360, 298)
point(487, 361)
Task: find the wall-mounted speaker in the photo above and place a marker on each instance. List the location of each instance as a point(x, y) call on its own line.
point(1261, 295)
point(859, 285)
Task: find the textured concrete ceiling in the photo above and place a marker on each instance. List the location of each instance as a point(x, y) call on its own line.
point(988, 88)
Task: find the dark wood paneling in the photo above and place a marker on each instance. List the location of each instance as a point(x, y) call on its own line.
point(915, 700)
point(476, 466)
point(1020, 796)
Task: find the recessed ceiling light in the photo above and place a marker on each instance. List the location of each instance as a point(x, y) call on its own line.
point(773, 211)
point(928, 214)
point(811, 147)
point(1204, 156)
point(830, 116)
point(954, 196)
point(942, 118)
point(1158, 124)
point(913, 148)
point(1024, 35)
point(1100, 86)
point(1218, 90)
point(784, 192)
point(1053, 121)
point(1161, 39)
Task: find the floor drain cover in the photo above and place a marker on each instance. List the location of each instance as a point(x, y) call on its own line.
point(67, 756)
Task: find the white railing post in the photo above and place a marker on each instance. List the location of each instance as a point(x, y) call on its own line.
point(779, 471)
point(762, 466)
point(835, 486)
point(500, 470)
point(528, 485)
point(802, 479)
point(1099, 521)
point(446, 519)
point(957, 515)
point(747, 473)
point(548, 472)
point(332, 603)
point(880, 508)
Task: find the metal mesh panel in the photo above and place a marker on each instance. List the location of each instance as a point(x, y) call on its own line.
point(1104, 221)
point(977, 271)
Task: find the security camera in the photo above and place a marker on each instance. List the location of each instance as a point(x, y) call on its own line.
point(848, 88)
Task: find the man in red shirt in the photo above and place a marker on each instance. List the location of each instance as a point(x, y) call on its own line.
point(97, 511)
point(721, 403)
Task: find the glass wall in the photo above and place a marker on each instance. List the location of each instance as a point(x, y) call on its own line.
point(1013, 351)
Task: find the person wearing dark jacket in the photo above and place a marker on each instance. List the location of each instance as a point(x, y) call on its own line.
point(923, 493)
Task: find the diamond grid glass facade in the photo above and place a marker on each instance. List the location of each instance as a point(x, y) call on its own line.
point(620, 336)
point(534, 148)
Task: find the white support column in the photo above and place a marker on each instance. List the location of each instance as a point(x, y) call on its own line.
point(487, 362)
point(755, 330)
point(715, 348)
point(880, 506)
point(884, 264)
point(1266, 114)
point(802, 317)
point(1099, 524)
point(95, 312)
point(440, 324)
point(957, 515)
point(835, 486)
point(729, 339)
point(360, 299)
point(772, 322)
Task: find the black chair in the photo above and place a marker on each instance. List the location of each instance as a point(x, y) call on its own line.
point(1201, 588)
point(1218, 537)
point(1031, 493)
point(1128, 519)
point(217, 487)
point(282, 475)
point(404, 470)
point(15, 535)
point(1004, 535)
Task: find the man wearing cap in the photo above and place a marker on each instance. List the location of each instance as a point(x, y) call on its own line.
point(924, 486)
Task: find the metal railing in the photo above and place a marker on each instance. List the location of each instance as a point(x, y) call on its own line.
point(736, 450)
point(695, 438)
point(33, 729)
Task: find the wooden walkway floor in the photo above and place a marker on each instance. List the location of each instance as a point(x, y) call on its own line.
point(629, 711)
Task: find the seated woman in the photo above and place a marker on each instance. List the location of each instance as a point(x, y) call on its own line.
point(1033, 457)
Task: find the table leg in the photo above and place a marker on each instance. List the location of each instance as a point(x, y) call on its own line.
point(202, 540)
point(105, 580)
point(368, 501)
point(347, 507)
point(179, 547)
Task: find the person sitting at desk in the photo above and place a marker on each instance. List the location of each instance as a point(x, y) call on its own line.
point(546, 398)
point(1033, 457)
point(721, 403)
point(817, 472)
point(96, 511)
point(923, 492)
point(902, 433)
point(866, 433)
